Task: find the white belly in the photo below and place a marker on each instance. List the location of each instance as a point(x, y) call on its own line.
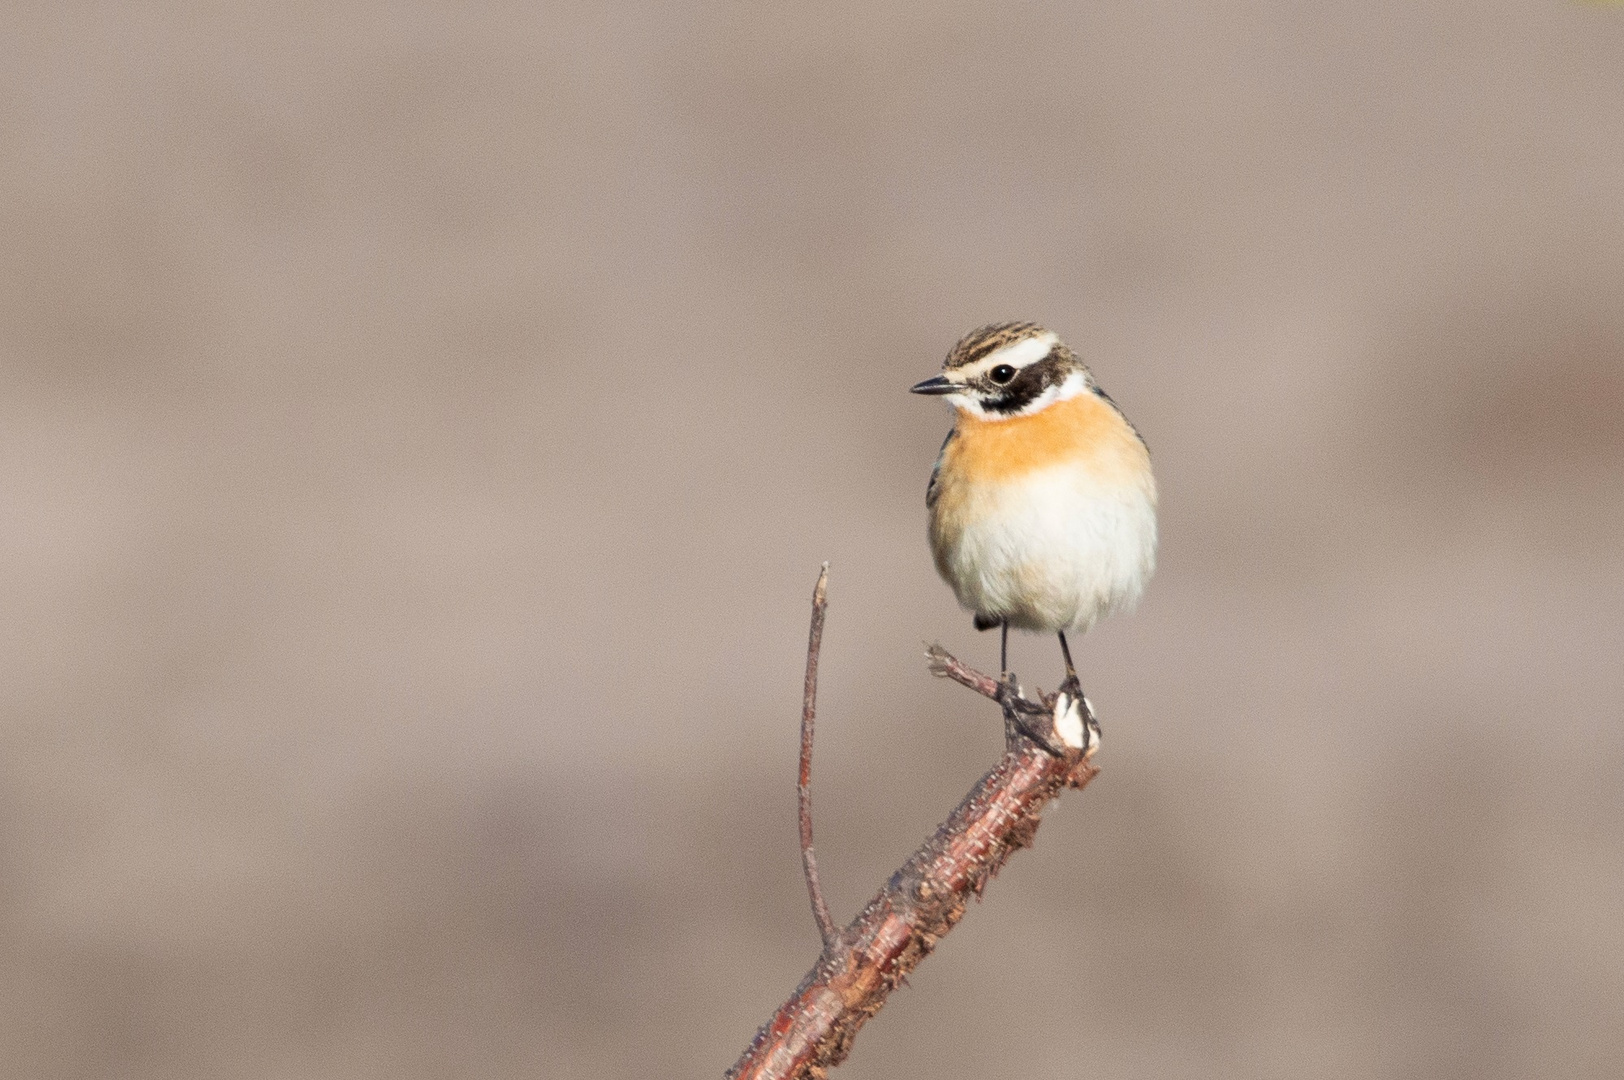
point(1057, 550)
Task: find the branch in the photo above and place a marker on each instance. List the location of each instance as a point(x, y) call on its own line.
point(809, 708)
point(1048, 747)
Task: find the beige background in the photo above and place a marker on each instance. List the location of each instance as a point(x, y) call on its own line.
point(420, 429)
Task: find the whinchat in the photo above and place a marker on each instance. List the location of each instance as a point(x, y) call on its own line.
point(1042, 502)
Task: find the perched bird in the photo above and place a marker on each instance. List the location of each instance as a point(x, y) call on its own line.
point(1042, 503)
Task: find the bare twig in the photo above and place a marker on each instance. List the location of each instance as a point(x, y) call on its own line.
point(813, 1031)
point(944, 665)
point(809, 706)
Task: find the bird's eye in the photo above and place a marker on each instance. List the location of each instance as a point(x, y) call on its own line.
point(1002, 374)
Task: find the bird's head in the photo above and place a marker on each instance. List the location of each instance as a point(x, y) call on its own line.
point(1007, 370)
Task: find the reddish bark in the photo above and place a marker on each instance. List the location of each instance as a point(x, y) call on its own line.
point(813, 1031)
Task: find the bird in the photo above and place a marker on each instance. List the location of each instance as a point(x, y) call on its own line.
point(1042, 502)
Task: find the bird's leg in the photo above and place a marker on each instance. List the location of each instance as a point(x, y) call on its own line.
point(1006, 681)
point(1071, 682)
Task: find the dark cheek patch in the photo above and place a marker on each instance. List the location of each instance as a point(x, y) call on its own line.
point(1027, 386)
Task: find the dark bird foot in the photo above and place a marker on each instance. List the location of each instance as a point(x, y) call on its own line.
point(1072, 686)
point(1062, 724)
point(1032, 719)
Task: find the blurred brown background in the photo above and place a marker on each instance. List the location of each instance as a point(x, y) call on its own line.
point(421, 430)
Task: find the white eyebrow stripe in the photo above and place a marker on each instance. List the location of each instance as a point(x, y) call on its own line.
point(1026, 351)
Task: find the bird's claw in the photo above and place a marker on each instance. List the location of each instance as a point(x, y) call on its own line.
point(1035, 721)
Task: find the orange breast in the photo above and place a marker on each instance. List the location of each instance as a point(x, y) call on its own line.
point(1084, 430)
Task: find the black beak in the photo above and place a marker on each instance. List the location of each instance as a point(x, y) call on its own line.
point(936, 386)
